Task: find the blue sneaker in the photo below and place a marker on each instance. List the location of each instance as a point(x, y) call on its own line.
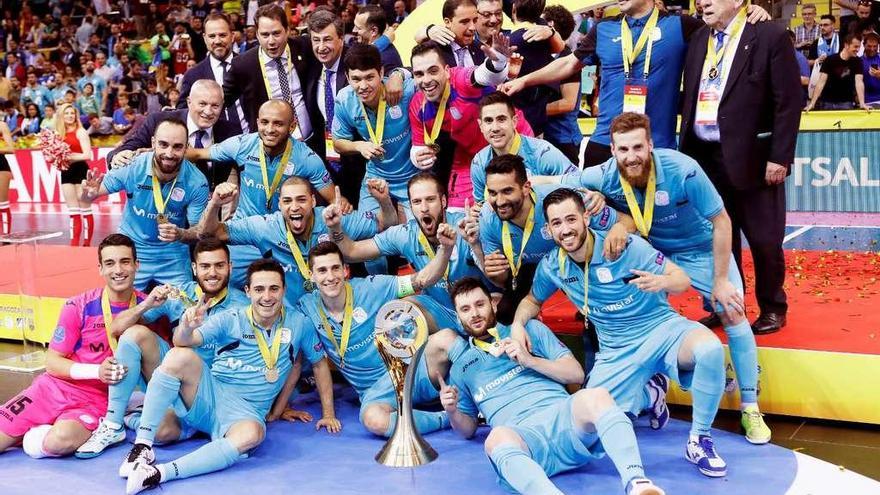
point(702, 453)
point(658, 386)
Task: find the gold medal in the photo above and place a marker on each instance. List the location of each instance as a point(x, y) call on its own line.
point(161, 218)
point(271, 375)
point(308, 285)
point(435, 147)
point(513, 284)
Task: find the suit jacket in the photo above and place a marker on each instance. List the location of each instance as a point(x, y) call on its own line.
point(203, 70)
point(141, 137)
point(391, 59)
point(473, 48)
point(313, 74)
point(244, 79)
point(760, 108)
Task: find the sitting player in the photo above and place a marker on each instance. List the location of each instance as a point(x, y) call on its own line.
point(58, 412)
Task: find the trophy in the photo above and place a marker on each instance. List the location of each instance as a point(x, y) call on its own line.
point(401, 331)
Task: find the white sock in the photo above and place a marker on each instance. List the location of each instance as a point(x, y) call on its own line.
point(32, 443)
point(746, 405)
point(112, 424)
point(161, 469)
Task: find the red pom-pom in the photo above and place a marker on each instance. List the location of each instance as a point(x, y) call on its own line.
point(56, 152)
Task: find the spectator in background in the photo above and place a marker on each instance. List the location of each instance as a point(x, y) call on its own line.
point(562, 130)
point(159, 44)
point(100, 126)
point(805, 71)
point(172, 98)
point(863, 20)
point(99, 85)
point(11, 116)
point(841, 81)
point(181, 49)
point(369, 29)
point(83, 32)
point(87, 103)
point(34, 92)
point(48, 117)
point(400, 12)
point(30, 124)
point(847, 14)
point(808, 32)
point(14, 68)
point(828, 42)
point(151, 100)
point(15, 91)
point(871, 68)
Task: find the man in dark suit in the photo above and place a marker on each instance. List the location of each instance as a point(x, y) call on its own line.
point(258, 69)
point(745, 78)
point(369, 29)
point(460, 17)
point(205, 103)
point(218, 38)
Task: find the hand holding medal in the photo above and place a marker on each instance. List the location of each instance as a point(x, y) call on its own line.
point(159, 295)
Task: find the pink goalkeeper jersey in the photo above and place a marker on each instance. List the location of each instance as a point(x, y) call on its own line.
point(80, 334)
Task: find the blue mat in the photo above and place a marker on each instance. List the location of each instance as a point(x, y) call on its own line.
point(295, 458)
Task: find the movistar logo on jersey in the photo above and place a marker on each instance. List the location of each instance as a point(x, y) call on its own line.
point(142, 212)
point(609, 308)
point(249, 182)
point(484, 390)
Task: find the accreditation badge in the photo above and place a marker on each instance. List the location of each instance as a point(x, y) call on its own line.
point(635, 95)
point(331, 153)
point(708, 102)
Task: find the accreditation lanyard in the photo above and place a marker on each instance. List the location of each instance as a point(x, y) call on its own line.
point(301, 264)
point(270, 356)
point(108, 314)
point(342, 344)
point(715, 55)
point(588, 256)
point(279, 172)
point(157, 196)
point(429, 251)
point(286, 74)
point(635, 91)
point(642, 219)
point(431, 137)
point(377, 134)
point(494, 347)
point(507, 243)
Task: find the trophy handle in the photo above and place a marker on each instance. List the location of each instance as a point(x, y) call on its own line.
point(406, 447)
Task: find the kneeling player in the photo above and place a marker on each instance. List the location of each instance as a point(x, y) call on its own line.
point(140, 351)
point(58, 412)
point(538, 429)
point(230, 400)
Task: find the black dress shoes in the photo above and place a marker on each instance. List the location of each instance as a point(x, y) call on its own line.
point(712, 320)
point(768, 323)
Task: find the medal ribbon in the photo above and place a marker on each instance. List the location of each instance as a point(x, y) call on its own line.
point(157, 193)
point(342, 345)
point(376, 135)
point(270, 356)
point(507, 243)
point(713, 55)
point(108, 314)
point(301, 264)
point(643, 220)
point(438, 119)
point(430, 252)
point(588, 256)
point(279, 172)
point(214, 300)
point(630, 54)
point(487, 346)
point(263, 63)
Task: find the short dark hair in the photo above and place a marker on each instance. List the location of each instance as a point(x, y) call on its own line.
point(850, 37)
point(561, 195)
point(427, 176)
point(449, 7)
point(529, 10)
point(497, 97)
point(220, 16)
point(425, 47)
point(209, 244)
point(264, 265)
point(294, 180)
point(563, 21)
point(116, 240)
point(507, 164)
point(272, 11)
point(172, 121)
point(465, 285)
point(363, 57)
point(375, 17)
point(320, 19)
point(324, 248)
point(829, 17)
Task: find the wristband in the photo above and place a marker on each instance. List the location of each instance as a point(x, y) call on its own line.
point(82, 371)
point(405, 286)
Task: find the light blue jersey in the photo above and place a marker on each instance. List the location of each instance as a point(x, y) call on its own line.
point(505, 392)
point(541, 158)
point(684, 202)
point(541, 241)
point(363, 366)
point(349, 123)
point(245, 151)
point(238, 364)
point(268, 233)
point(186, 200)
point(403, 240)
point(173, 309)
point(622, 313)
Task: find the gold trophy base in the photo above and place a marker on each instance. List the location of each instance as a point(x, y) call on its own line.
point(404, 449)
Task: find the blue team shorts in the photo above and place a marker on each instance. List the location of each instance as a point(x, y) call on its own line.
point(241, 257)
point(700, 267)
point(216, 408)
point(169, 267)
point(399, 194)
point(554, 441)
point(383, 390)
point(625, 371)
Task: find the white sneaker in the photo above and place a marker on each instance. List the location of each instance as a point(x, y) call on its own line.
point(643, 486)
point(139, 454)
point(142, 477)
point(103, 437)
point(701, 451)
